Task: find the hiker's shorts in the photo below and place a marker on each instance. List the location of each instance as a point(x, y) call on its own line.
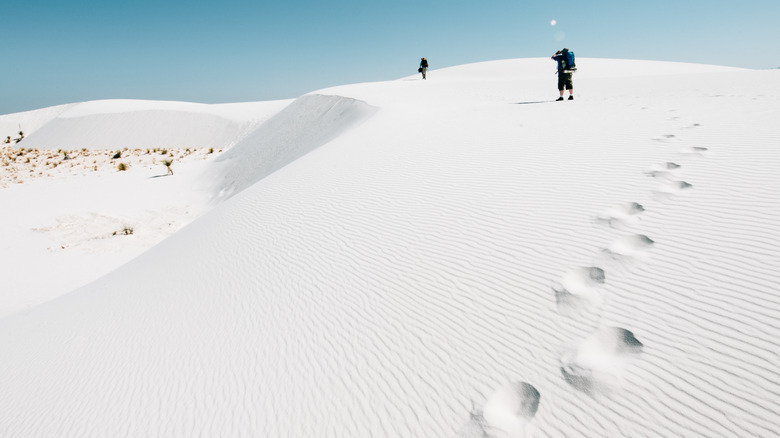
point(564, 81)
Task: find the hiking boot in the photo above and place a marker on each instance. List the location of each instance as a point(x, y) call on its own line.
point(570, 98)
point(559, 99)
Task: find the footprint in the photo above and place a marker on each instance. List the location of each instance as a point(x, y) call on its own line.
point(621, 215)
point(678, 185)
point(661, 174)
point(671, 187)
point(663, 171)
point(630, 247)
point(693, 150)
point(667, 138)
point(510, 408)
point(476, 427)
point(598, 363)
point(578, 290)
point(671, 166)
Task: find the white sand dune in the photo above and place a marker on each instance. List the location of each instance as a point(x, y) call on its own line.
point(29, 121)
point(107, 124)
point(451, 257)
point(59, 230)
point(306, 124)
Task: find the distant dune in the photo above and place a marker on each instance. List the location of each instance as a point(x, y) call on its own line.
point(132, 124)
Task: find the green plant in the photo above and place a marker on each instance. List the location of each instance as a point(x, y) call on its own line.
point(167, 164)
point(122, 166)
point(118, 154)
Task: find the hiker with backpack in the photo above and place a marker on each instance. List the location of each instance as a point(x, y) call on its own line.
point(423, 67)
point(566, 68)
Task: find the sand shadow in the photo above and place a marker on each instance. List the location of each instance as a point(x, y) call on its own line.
point(533, 102)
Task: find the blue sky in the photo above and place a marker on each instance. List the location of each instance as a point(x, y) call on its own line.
point(238, 50)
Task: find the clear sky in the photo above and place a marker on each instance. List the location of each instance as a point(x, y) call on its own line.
point(59, 51)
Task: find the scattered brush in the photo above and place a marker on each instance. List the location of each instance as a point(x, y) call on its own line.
point(126, 231)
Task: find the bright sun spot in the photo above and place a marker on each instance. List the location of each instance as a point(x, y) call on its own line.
point(553, 23)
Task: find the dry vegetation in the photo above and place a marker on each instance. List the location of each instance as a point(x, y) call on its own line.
point(18, 165)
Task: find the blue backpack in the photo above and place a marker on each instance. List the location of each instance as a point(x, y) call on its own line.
point(568, 61)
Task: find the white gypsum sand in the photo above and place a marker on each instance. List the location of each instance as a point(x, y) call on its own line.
point(454, 257)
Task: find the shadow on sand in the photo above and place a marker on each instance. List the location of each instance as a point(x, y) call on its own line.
point(529, 103)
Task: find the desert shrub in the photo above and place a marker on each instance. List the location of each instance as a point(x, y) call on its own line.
point(122, 166)
point(118, 154)
point(126, 231)
point(211, 150)
point(164, 152)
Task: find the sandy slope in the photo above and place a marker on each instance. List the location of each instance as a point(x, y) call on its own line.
point(65, 208)
point(137, 124)
point(470, 260)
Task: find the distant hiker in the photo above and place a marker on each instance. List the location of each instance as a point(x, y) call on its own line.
point(566, 68)
point(423, 67)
